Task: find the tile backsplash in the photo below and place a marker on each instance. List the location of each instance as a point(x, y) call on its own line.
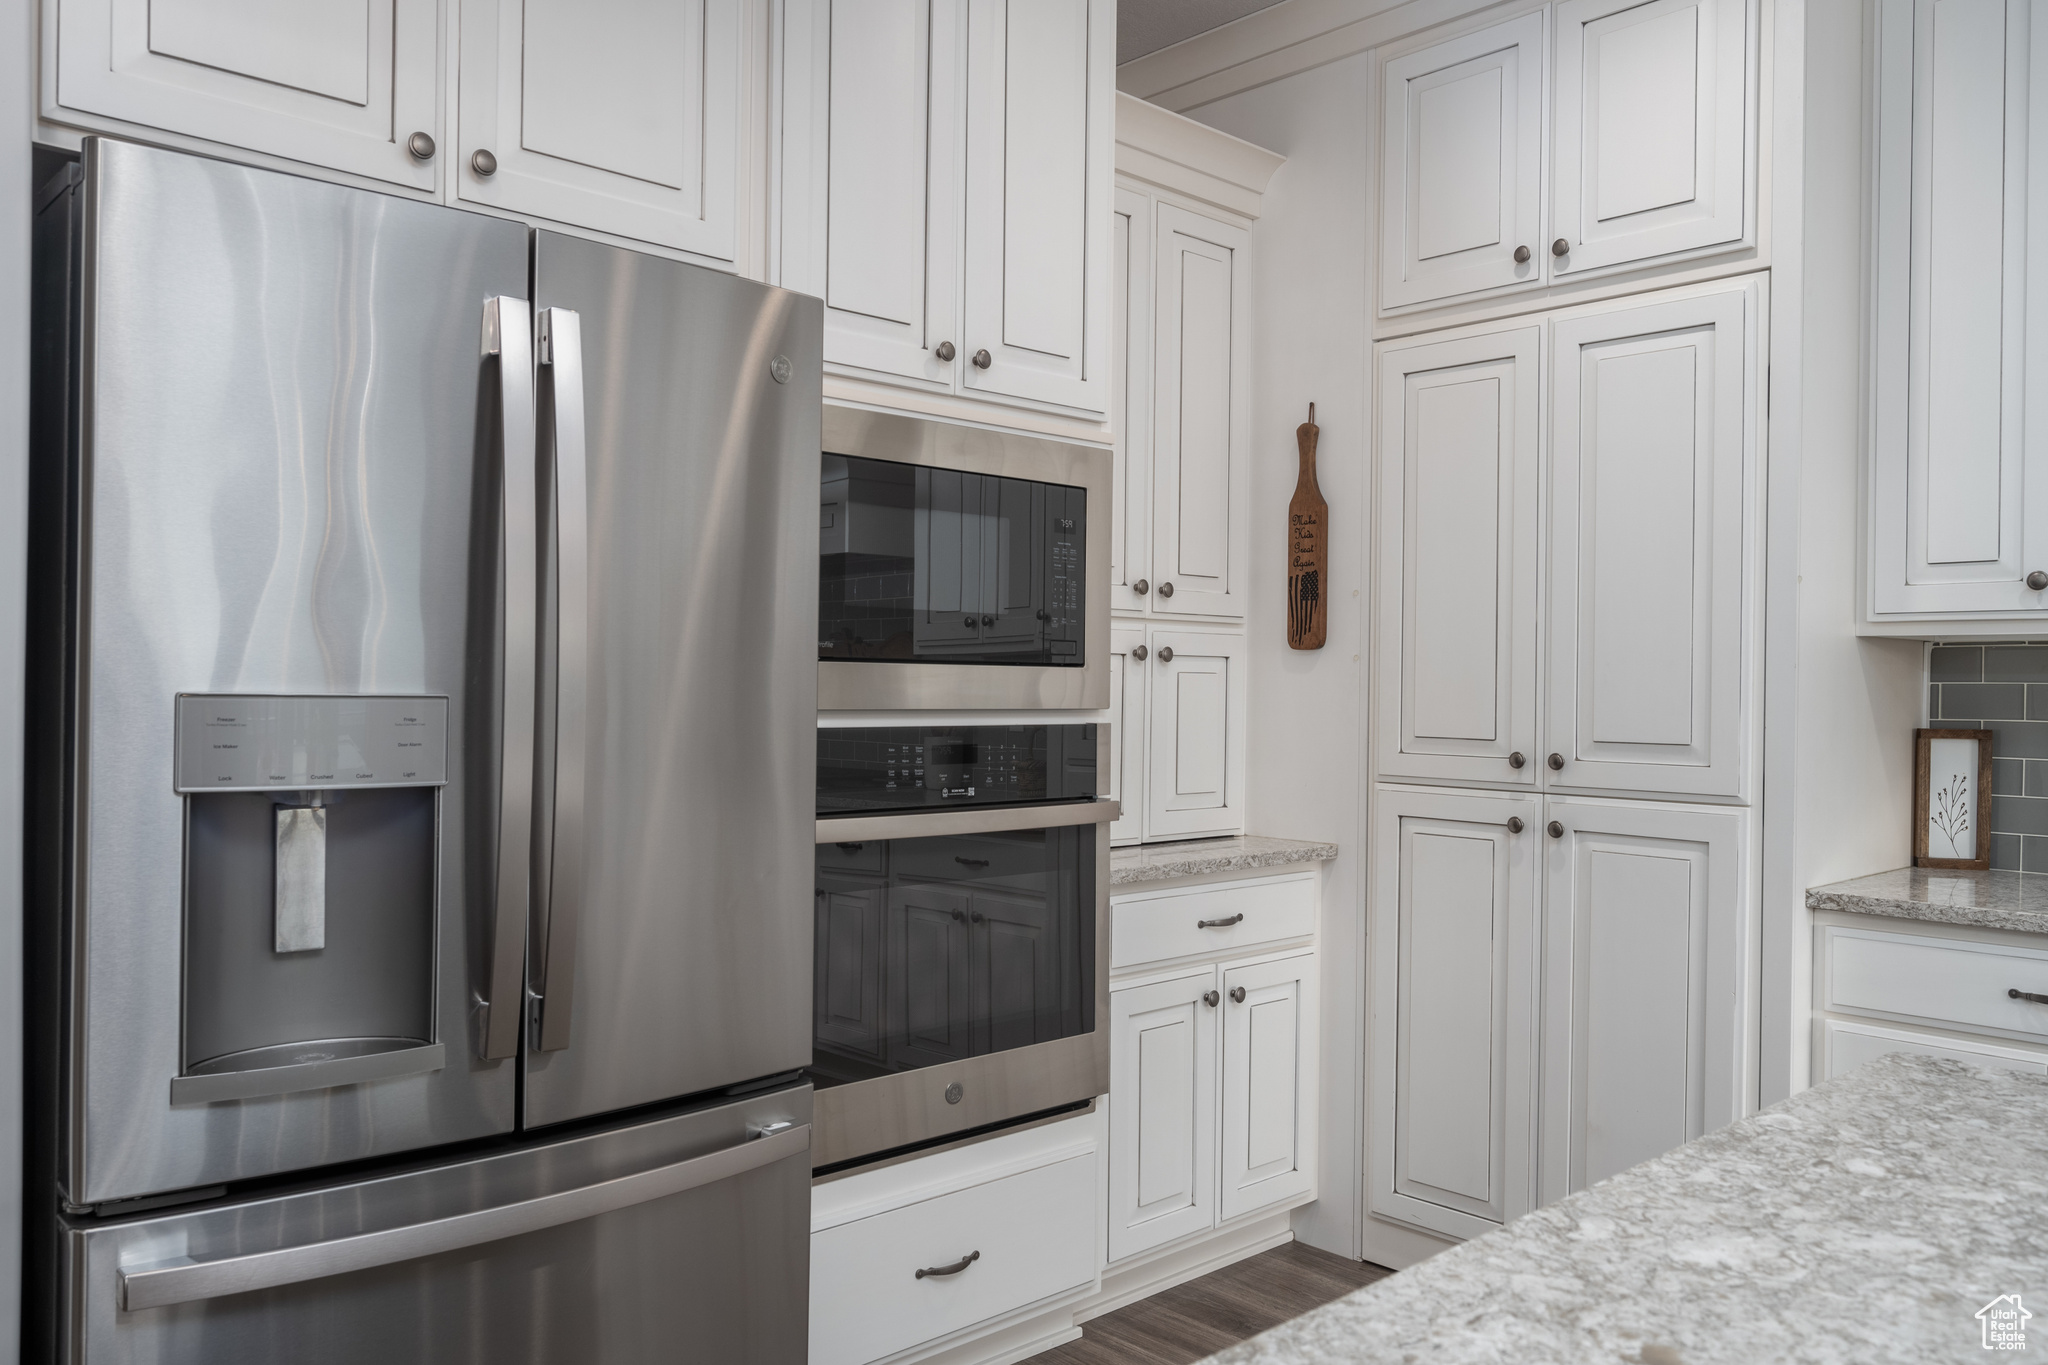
point(2003, 689)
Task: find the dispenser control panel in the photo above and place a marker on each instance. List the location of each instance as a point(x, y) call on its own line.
point(239, 742)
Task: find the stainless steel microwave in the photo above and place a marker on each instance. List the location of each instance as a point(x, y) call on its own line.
point(959, 568)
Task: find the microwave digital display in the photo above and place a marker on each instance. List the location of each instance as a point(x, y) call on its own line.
point(922, 565)
point(870, 770)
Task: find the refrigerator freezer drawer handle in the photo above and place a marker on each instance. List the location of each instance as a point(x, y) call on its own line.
point(508, 335)
point(184, 1280)
point(561, 336)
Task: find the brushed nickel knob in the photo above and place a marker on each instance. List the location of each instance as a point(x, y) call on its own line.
point(2037, 580)
point(1237, 994)
point(1141, 587)
point(1210, 998)
point(1521, 255)
point(1516, 760)
point(1560, 247)
point(483, 163)
point(1514, 824)
point(1139, 652)
point(1166, 654)
point(1556, 830)
point(1556, 762)
point(982, 360)
point(944, 350)
point(421, 145)
point(1166, 589)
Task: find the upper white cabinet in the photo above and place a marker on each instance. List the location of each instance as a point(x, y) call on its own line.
point(343, 84)
point(1645, 110)
point(1958, 495)
point(1194, 779)
point(1130, 415)
point(620, 115)
point(946, 186)
point(1462, 165)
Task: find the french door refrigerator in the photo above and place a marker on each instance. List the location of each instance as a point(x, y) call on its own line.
point(422, 770)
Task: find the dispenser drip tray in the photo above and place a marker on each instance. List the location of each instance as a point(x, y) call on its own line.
point(288, 1067)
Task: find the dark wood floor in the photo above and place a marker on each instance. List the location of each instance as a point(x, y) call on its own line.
point(1201, 1317)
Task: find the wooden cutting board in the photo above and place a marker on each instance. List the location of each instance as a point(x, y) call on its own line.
point(1308, 548)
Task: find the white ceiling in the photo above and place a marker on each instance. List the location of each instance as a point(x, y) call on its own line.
point(1144, 26)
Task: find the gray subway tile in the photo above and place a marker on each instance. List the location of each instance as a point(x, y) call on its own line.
point(2020, 739)
point(2037, 701)
point(1956, 663)
point(1983, 701)
point(2014, 663)
point(2009, 777)
point(2034, 783)
point(2019, 814)
point(2033, 854)
point(2005, 852)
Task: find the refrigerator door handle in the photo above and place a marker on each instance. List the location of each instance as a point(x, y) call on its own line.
point(508, 335)
point(561, 354)
point(158, 1284)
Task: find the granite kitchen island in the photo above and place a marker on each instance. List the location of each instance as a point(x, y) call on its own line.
point(1867, 1219)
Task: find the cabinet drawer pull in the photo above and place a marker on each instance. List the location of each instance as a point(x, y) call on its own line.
point(2018, 994)
point(1237, 995)
point(1210, 998)
point(851, 848)
point(932, 1271)
point(1237, 918)
point(970, 862)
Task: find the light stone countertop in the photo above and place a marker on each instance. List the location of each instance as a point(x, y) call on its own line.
point(1197, 857)
point(1991, 900)
point(1865, 1220)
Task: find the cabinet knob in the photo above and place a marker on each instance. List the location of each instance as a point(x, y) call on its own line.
point(1556, 762)
point(1166, 589)
point(1141, 587)
point(982, 360)
point(944, 350)
point(1517, 760)
point(988, 620)
point(1139, 652)
point(1166, 654)
point(1521, 255)
point(1514, 824)
point(1210, 998)
point(969, 622)
point(1237, 995)
point(2037, 580)
point(1556, 829)
point(421, 145)
point(483, 163)
point(1560, 247)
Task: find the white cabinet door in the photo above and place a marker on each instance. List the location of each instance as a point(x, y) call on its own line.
point(1454, 990)
point(1201, 406)
point(1458, 508)
point(870, 209)
point(1461, 165)
point(1653, 455)
point(1959, 494)
point(1040, 150)
point(1162, 1115)
point(1269, 1108)
point(1846, 1046)
point(1128, 694)
point(1652, 129)
point(1194, 781)
point(1645, 936)
point(335, 83)
point(618, 115)
point(1130, 413)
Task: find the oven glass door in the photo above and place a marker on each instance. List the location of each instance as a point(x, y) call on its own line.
point(935, 949)
point(922, 565)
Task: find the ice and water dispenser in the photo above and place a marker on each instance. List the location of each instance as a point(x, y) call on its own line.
point(311, 841)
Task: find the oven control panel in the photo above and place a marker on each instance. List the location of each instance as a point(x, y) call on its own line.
point(903, 768)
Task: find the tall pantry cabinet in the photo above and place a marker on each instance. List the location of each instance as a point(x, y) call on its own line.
point(1567, 529)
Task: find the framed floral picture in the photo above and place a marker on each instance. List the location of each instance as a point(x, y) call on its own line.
point(1952, 798)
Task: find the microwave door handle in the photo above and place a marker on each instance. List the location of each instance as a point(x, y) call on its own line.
point(561, 354)
point(158, 1284)
point(508, 335)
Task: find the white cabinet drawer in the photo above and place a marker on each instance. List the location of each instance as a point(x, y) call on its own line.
point(1851, 1045)
point(1035, 1232)
point(1164, 925)
point(1947, 982)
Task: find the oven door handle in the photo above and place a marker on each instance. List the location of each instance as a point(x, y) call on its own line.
point(924, 824)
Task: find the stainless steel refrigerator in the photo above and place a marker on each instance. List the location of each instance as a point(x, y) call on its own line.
point(423, 758)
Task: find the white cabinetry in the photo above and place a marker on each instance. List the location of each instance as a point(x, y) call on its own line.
point(945, 189)
point(1649, 118)
point(1269, 1084)
point(1194, 770)
point(1939, 990)
point(1130, 415)
point(1162, 1086)
point(336, 83)
point(1958, 496)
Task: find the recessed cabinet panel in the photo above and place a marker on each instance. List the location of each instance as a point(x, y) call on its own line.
point(1652, 129)
point(1130, 541)
point(1162, 1122)
point(1457, 543)
point(1039, 149)
point(341, 85)
point(1127, 702)
point(1195, 776)
point(1269, 1062)
point(619, 115)
point(1461, 160)
point(1651, 481)
point(1644, 944)
point(1201, 446)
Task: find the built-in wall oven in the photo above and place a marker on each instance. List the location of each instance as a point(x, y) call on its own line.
point(962, 910)
point(960, 568)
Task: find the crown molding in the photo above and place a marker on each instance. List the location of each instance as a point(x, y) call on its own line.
point(1176, 153)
